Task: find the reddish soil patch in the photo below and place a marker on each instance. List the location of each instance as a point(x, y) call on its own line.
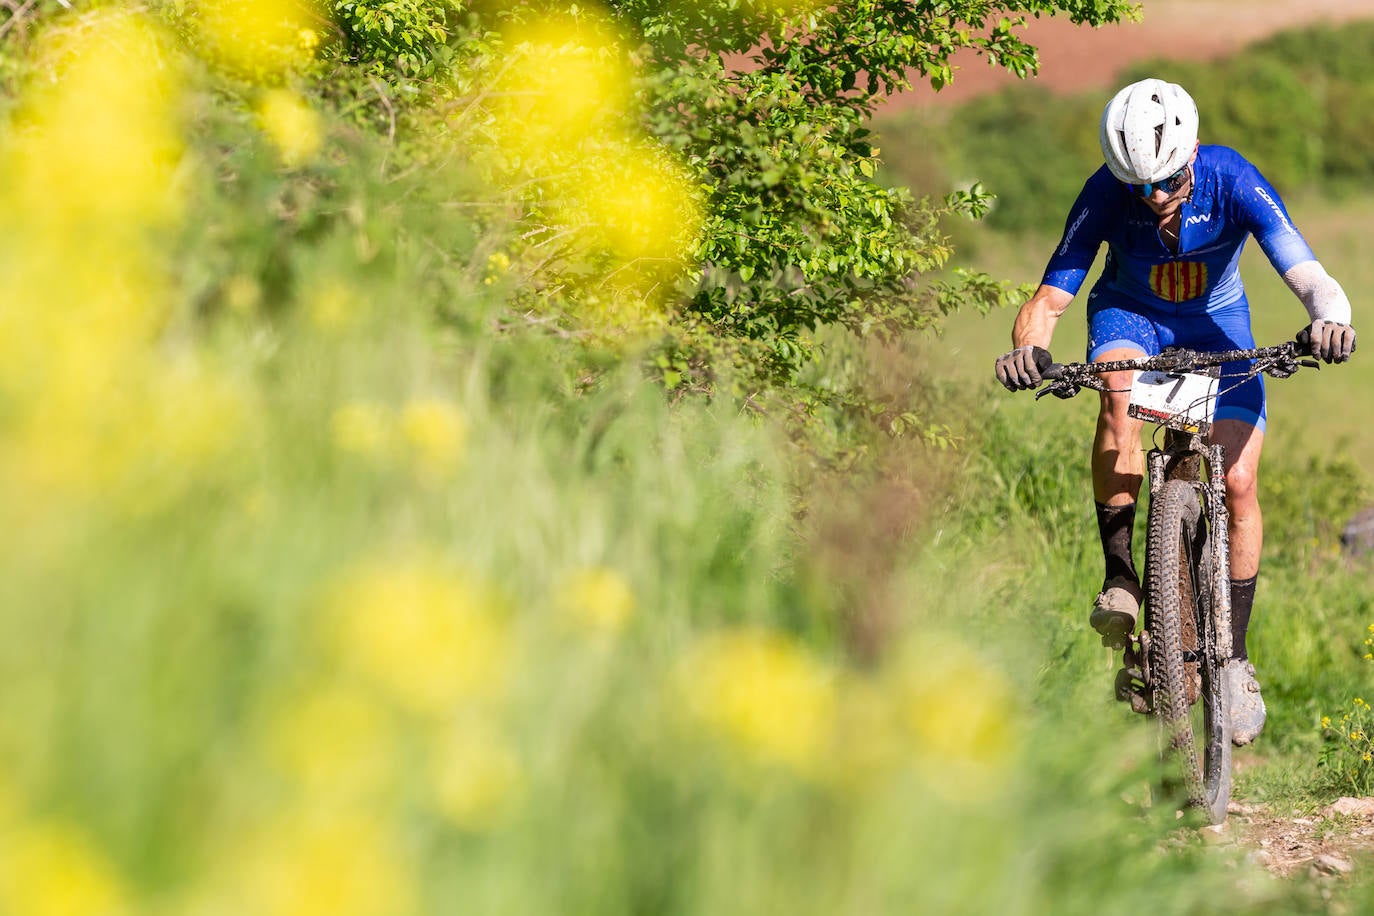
point(1078, 58)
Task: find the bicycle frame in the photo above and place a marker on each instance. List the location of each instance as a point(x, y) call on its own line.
point(1185, 456)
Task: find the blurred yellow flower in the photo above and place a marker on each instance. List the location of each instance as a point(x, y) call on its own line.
point(363, 429)
point(497, 265)
point(305, 864)
point(427, 635)
point(242, 294)
point(961, 713)
point(436, 433)
point(763, 694)
point(564, 79)
point(100, 407)
point(477, 776)
point(331, 306)
point(597, 599)
point(336, 741)
point(100, 140)
point(291, 124)
point(259, 40)
point(637, 202)
point(53, 870)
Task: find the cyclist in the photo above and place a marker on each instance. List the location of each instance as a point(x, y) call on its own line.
point(1174, 215)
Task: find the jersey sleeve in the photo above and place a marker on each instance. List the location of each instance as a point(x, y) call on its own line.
point(1261, 210)
point(1084, 233)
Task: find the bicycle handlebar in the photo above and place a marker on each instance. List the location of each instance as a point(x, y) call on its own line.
point(1067, 379)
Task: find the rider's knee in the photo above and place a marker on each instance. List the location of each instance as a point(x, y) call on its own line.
point(1115, 411)
point(1242, 483)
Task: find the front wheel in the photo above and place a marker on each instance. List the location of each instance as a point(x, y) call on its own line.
point(1184, 665)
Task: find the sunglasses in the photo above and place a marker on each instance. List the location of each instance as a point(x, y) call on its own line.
point(1167, 185)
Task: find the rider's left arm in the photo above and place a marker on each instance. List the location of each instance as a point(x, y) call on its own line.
point(1327, 306)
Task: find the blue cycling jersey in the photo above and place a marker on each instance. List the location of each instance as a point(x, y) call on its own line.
point(1230, 201)
point(1150, 297)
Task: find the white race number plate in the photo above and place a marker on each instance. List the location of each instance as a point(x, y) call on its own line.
point(1181, 400)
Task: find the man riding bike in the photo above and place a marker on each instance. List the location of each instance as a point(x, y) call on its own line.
point(1175, 216)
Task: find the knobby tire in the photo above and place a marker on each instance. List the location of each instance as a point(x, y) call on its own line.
point(1180, 622)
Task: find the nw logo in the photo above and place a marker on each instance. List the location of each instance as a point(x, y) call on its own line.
point(1201, 218)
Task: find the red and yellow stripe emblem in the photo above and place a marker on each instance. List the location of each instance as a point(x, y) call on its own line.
point(1179, 281)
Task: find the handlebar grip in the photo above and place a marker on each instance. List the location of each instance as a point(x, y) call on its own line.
point(1044, 363)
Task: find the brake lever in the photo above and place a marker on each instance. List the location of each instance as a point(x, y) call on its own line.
point(1062, 390)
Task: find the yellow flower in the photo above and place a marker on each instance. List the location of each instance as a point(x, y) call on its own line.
point(762, 694)
point(436, 432)
point(477, 776)
point(363, 429)
point(260, 40)
point(291, 124)
point(565, 79)
point(1326, 721)
point(427, 635)
point(335, 740)
point(242, 294)
point(497, 265)
point(102, 141)
point(331, 306)
point(52, 870)
point(960, 713)
point(598, 599)
point(303, 864)
point(637, 202)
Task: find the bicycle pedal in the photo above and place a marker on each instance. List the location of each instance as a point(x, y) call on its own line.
point(1129, 688)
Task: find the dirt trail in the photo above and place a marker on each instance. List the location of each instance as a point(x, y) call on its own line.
point(1328, 843)
point(1077, 59)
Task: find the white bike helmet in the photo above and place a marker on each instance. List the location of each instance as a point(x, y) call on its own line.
point(1149, 131)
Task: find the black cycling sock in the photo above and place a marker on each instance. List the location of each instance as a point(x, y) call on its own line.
point(1115, 525)
point(1242, 602)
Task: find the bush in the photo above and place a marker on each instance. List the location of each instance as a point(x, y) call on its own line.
point(1297, 105)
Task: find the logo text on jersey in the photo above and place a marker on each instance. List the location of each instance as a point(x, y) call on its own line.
point(1199, 218)
point(1068, 236)
point(1273, 205)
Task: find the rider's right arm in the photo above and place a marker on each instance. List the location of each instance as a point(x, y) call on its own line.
point(1020, 368)
point(1035, 321)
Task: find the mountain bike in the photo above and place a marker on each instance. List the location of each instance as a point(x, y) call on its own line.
point(1185, 638)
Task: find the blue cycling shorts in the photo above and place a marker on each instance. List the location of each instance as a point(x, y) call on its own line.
point(1115, 322)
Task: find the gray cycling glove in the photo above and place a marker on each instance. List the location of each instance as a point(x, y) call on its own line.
point(1020, 369)
point(1330, 341)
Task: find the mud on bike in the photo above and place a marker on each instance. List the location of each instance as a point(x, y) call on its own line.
point(1172, 669)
